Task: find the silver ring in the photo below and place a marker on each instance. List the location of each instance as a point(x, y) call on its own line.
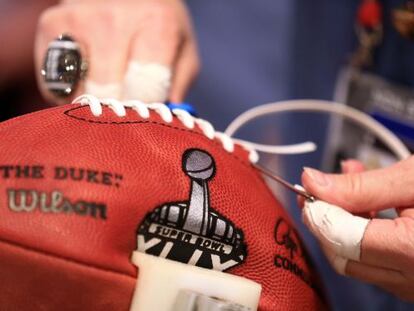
point(63, 66)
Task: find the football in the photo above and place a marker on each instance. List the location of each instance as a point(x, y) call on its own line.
point(85, 186)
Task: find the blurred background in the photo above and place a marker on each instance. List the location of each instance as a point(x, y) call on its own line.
point(252, 52)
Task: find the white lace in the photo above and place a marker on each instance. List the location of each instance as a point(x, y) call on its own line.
point(167, 115)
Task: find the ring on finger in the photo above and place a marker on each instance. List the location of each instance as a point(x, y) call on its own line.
point(63, 66)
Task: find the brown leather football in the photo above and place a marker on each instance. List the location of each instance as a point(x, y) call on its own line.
point(83, 186)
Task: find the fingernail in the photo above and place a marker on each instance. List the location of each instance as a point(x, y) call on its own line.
point(317, 177)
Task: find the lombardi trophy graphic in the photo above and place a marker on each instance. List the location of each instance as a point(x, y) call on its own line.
point(200, 167)
point(191, 231)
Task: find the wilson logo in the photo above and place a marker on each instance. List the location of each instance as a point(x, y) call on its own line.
point(26, 201)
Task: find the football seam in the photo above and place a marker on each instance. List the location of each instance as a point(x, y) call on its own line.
point(67, 113)
point(67, 259)
point(248, 165)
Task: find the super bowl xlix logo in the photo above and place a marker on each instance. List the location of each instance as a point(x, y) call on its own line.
point(191, 231)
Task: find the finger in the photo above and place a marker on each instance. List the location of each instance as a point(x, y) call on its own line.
point(105, 69)
point(107, 54)
point(362, 192)
point(337, 230)
point(103, 90)
point(383, 277)
point(157, 40)
point(348, 166)
point(337, 262)
point(105, 65)
point(389, 243)
point(374, 275)
point(406, 212)
point(380, 242)
point(153, 53)
point(186, 70)
point(352, 166)
point(355, 166)
point(51, 24)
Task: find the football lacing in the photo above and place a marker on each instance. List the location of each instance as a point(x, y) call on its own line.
point(167, 115)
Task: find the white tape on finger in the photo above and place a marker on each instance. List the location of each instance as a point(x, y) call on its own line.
point(147, 82)
point(338, 230)
point(337, 262)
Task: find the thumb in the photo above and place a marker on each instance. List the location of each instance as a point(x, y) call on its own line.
point(365, 191)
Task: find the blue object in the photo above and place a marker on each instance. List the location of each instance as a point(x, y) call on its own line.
point(183, 106)
point(403, 130)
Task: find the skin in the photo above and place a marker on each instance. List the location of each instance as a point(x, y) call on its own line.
point(387, 249)
point(112, 33)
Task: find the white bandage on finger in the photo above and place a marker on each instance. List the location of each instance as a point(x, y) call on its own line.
point(147, 82)
point(338, 230)
point(337, 262)
point(107, 90)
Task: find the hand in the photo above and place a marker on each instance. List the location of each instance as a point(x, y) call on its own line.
point(118, 38)
point(377, 251)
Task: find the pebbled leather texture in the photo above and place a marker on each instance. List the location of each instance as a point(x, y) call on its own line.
point(139, 168)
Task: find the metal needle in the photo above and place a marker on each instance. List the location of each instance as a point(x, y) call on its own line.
point(280, 180)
